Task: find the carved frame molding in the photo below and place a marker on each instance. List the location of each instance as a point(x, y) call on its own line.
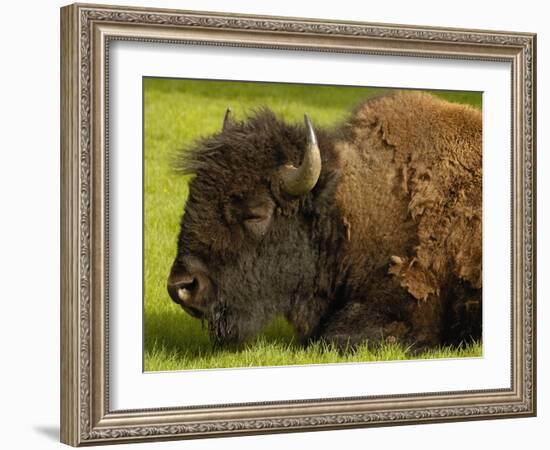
point(86, 32)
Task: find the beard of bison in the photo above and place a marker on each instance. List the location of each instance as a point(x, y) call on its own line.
point(347, 262)
point(273, 279)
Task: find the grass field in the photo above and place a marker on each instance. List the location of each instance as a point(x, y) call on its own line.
point(176, 112)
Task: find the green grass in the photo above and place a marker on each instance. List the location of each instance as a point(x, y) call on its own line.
point(176, 112)
point(265, 351)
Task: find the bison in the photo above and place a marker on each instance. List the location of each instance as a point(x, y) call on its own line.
point(366, 232)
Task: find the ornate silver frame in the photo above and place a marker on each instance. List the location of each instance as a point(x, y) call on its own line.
point(86, 31)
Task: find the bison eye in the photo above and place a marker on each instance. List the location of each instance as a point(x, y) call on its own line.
point(258, 226)
point(257, 218)
point(254, 213)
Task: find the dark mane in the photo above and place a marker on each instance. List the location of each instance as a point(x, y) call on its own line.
point(261, 141)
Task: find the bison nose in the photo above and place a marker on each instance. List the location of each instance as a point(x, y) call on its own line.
point(182, 290)
point(187, 290)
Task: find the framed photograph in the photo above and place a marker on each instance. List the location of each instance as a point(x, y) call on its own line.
point(275, 224)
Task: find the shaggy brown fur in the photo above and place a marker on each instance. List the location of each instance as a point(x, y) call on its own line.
point(387, 246)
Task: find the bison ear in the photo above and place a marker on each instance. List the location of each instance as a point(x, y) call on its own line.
point(227, 121)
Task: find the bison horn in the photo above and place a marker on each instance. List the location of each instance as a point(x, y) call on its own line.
point(300, 180)
point(227, 121)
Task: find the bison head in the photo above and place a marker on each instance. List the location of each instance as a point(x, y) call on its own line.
point(246, 251)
